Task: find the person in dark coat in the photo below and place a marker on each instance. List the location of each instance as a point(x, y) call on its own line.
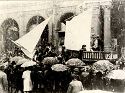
point(48, 77)
point(81, 51)
point(97, 44)
point(51, 53)
point(34, 78)
point(19, 80)
point(39, 54)
point(47, 49)
point(10, 76)
point(98, 81)
point(90, 80)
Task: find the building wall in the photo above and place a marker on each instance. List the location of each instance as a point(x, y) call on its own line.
point(23, 11)
point(118, 24)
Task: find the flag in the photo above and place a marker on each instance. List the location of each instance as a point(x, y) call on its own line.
point(30, 40)
point(78, 31)
point(25, 51)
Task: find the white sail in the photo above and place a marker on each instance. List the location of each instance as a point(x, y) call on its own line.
point(25, 51)
point(78, 31)
point(29, 41)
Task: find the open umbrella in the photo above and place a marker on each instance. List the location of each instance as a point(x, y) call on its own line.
point(21, 61)
point(116, 74)
point(28, 63)
point(94, 91)
point(4, 65)
point(75, 62)
point(16, 58)
point(121, 60)
point(102, 65)
point(50, 60)
point(59, 67)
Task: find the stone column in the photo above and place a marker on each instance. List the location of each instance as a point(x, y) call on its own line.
point(22, 24)
point(107, 29)
point(96, 21)
point(50, 25)
point(55, 25)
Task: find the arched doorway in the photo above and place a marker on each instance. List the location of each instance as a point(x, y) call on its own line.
point(10, 30)
point(33, 22)
point(62, 22)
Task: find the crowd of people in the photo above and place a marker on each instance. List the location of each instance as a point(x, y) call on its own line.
point(41, 78)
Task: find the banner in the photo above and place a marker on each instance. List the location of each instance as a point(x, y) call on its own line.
point(30, 40)
point(25, 51)
point(78, 31)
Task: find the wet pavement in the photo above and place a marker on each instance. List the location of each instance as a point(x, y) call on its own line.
point(37, 91)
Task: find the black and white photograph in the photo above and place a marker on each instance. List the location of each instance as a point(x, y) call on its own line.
point(62, 46)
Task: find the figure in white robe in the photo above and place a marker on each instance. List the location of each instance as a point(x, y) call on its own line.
point(27, 83)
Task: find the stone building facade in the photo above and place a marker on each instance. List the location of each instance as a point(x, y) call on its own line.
point(118, 24)
point(17, 18)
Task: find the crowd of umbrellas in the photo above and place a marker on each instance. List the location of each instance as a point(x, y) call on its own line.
point(109, 70)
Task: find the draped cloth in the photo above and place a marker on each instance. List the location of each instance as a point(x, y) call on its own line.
point(78, 31)
point(29, 41)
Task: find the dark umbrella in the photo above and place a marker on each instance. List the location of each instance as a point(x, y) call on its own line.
point(50, 60)
point(4, 65)
point(75, 62)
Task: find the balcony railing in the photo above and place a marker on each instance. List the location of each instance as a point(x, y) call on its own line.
point(95, 55)
point(98, 55)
